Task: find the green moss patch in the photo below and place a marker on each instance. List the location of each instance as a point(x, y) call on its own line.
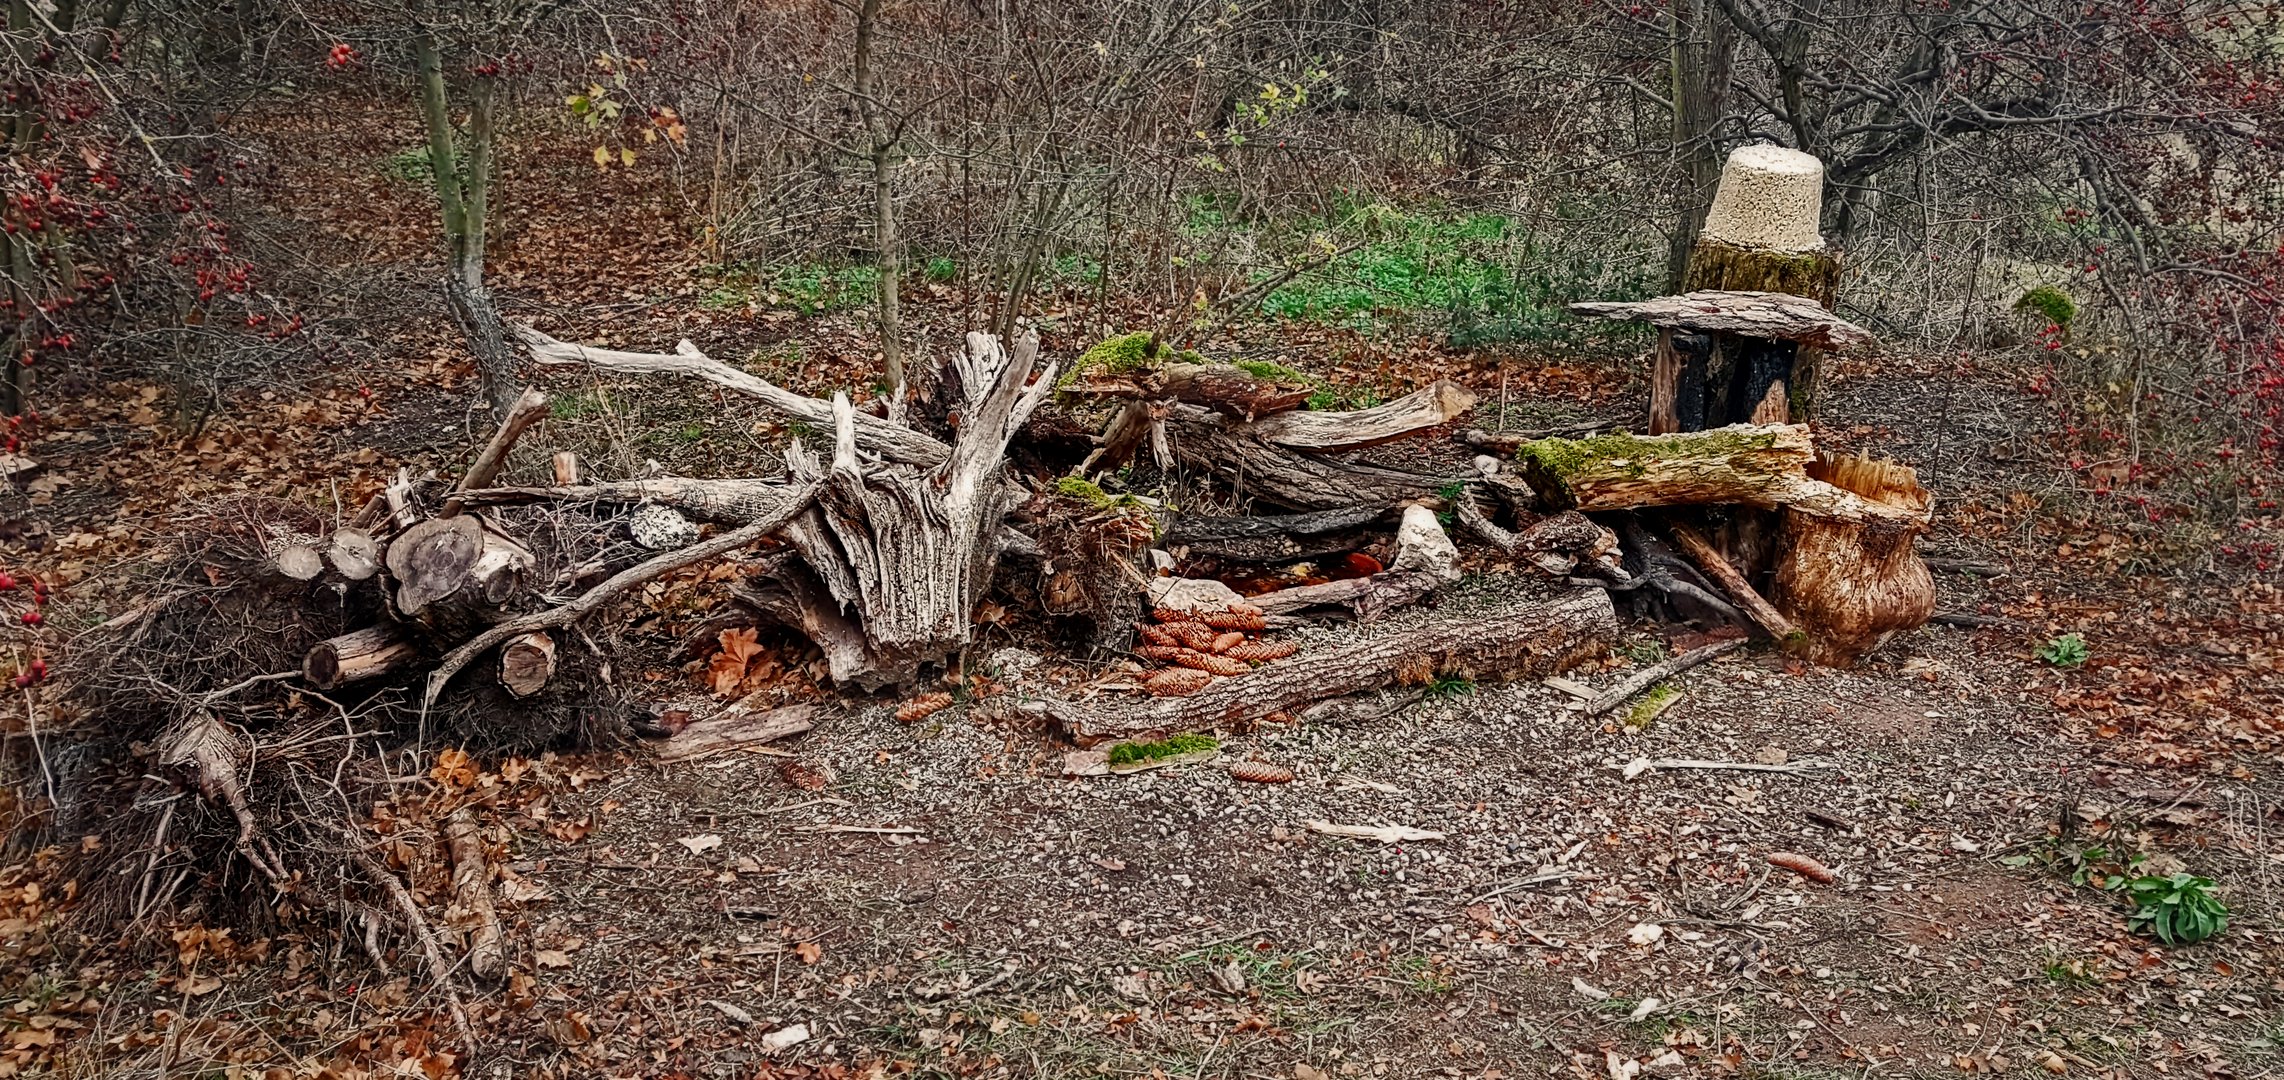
point(2051, 302)
point(1139, 753)
point(1651, 704)
point(1272, 371)
point(1114, 356)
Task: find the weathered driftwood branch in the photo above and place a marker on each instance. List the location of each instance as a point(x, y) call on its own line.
point(726, 502)
point(1716, 566)
point(1534, 639)
point(741, 724)
point(1771, 315)
point(1657, 673)
point(472, 894)
point(875, 435)
point(1437, 404)
point(526, 411)
point(617, 585)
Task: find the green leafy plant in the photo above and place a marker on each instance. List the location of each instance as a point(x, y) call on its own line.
point(2179, 909)
point(940, 270)
point(2069, 650)
point(2051, 302)
point(1450, 686)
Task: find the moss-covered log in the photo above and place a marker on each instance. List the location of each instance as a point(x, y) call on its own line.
point(1740, 464)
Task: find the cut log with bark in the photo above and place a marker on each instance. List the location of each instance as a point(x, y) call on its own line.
point(455, 575)
point(1851, 582)
point(1717, 566)
point(358, 655)
point(353, 553)
point(527, 662)
point(1532, 639)
point(1230, 390)
point(1741, 465)
point(1434, 406)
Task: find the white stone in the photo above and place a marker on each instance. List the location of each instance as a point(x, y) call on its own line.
point(1192, 594)
point(1421, 544)
point(1769, 197)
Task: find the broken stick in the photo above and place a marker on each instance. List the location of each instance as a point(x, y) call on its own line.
point(1659, 672)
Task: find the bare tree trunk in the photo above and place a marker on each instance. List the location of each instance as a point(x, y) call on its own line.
point(1704, 48)
point(882, 134)
point(463, 195)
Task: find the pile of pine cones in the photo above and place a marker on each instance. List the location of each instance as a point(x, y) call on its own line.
point(1204, 645)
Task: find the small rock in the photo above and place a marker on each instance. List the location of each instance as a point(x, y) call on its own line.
point(1421, 544)
point(791, 1035)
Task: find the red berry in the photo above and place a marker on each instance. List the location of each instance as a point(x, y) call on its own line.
point(32, 617)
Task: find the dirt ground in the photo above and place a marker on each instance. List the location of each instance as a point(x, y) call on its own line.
point(937, 900)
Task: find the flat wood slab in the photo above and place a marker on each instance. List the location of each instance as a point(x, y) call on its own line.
point(1777, 316)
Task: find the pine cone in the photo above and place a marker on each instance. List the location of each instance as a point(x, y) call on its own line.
point(1244, 617)
point(1226, 642)
point(1177, 682)
point(1804, 866)
point(1164, 654)
point(1157, 635)
point(1198, 636)
point(1261, 652)
point(922, 707)
point(802, 776)
point(1261, 772)
point(1219, 665)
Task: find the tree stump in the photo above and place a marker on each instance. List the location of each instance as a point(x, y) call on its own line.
point(1851, 581)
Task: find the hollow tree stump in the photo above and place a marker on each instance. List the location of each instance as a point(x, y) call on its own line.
point(1848, 581)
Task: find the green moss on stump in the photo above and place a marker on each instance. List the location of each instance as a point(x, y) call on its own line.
point(1136, 753)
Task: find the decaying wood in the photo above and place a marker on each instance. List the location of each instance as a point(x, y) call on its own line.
point(1364, 598)
point(1765, 467)
point(353, 657)
point(213, 752)
point(526, 411)
point(1659, 672)
point(1206, 442)
point(1533, 639)
point(1771, 315)
point(439, 972)
point(1232, 391)
point(874, 435)
point(615, 586)
point(1701, 551)
point(565, 465)
point(1659, 568)
point(1436, 405)
point(1134, 423)
point(527, 662)
point(1503, 443)
point(353, 553)
point(1851, 582)
point(472, 894)
point(1208, 530)
point(746, 723)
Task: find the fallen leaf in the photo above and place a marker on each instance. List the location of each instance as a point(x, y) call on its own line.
point(1645, 934)
point(1589, 990)
point(551, 958)
point(700, 844)
point(809, 951)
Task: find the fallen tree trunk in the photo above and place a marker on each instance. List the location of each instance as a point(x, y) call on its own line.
point(1766, 467)
point(1232, 391)
point(1532, 640)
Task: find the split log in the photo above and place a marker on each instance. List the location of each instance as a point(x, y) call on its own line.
point(1204, 441)
point(743, 724)
point(353, 553)
point(454, 575)
point(1764, 614)
point(565, 465)
point(357, 656)
point(1434, 406)
point(1532, 640)
point(875, 435)
point(527, 662)
point(472, 895)
point(1851, 582)
point(911, 551)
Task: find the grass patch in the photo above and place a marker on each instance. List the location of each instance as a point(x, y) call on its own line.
point(579, 406)
point(1650, 705)
point(410, 166)
point(1136, 753)
point(808, 288)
